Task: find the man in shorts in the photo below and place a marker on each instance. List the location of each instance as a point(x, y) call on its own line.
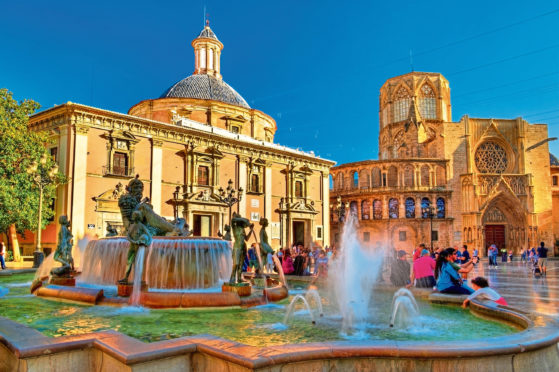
point(542, 261)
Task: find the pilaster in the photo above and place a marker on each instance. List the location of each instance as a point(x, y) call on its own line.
point(79, 180)
point(156, 174)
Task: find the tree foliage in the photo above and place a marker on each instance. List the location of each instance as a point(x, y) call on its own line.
point(20, 149)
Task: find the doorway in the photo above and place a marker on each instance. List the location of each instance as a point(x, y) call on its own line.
point(494, 234)
point(299, 232)
point(202, 225)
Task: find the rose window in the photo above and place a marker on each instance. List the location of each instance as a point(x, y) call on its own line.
point(491, 158)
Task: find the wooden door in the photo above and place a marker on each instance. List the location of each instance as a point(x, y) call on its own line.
point(495, 234)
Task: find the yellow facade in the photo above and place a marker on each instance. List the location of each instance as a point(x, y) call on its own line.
point(487, 180)
point(185, 146)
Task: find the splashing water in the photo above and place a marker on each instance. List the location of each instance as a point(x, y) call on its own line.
point(280, 270)
point(353, 274)
point(138, 272)
point(404, 305)
point(313, 293)
point(292, 306)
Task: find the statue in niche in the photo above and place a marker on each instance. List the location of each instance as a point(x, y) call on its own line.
point(138, 235)
point(227, 235)
point(238, 225)
point(63, 253)
point(265, 247)
point(111, 231)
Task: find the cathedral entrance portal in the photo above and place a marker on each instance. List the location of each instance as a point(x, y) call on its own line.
point(494, 234)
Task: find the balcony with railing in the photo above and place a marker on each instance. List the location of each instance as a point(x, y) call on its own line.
point(114, 171)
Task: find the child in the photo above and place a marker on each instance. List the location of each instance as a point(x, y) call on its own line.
point(483, 292)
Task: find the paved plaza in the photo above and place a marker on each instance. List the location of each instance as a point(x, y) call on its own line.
point(515, 282)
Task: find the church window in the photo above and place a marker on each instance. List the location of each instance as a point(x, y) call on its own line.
point(364, 179)
point(120, 164)
point(355, 179)
point(425, 175)
point(353, 207)
point(491, 157)
point(375, 177)
point(256, 177)
point(441, 211)
point(425, 205)
point(392, 176)
point(365, 209)
point(235, 129)
point(401, 104)
point(393, 208)
point(377, 209)
point(410, 208)
point(298, 189)
point(427, 102)
point(203, 175)
point(340, 180)
point(554, 180)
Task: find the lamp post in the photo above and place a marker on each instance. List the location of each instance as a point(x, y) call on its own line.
point(430, 213)
point(339, 210)
point(228, 197)
point(176, 194)
point(42, 178)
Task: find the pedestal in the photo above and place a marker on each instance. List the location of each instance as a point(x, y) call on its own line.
point(242, 289)
point(125, 289)
point(63, 280)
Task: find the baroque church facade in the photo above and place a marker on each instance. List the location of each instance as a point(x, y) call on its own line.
point(478, 181)
point(185, 146)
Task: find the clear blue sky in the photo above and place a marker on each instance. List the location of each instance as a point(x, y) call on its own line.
point(315, 66)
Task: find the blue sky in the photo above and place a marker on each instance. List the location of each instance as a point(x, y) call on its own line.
point(315, 66)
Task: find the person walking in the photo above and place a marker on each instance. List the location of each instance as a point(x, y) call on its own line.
point(492, 253)
point(542, 260)
point(2, 254)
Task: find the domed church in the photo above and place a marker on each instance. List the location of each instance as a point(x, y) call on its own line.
point(478, 181)
point(198, 137)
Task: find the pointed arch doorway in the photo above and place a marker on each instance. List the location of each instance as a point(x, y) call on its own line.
point(504, 223)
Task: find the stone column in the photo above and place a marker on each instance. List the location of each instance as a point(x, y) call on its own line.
point(79, 181)
point(325, 210)
point(268, 208)
point(156, 170)
point(243, 184)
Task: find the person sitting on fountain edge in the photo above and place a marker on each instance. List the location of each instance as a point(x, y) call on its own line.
point(448, 279)
point(400, 270)
point(483, 292)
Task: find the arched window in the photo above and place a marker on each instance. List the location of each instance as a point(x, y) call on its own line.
point(340, 179)
point(393, 208)
point(375, 177)
point(364, 179)
point(355, 179)
point(427, 102)
point(353, 207)
point(377, 209)
point(392, 176)
point(365, 210)
point(440, 208)
point(425, 175)
point(401, 104)
point(425, 204)
point(410, 208)
point(408, 176)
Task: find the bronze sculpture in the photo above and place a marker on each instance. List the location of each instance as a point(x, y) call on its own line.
point(238, 225)
point(138, 235)
point(63, 253)
point(227, 235)
point(265, 246)
point(111, 231)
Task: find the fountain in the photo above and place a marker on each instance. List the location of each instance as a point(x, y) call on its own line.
point(404, 305)
point(169, 268)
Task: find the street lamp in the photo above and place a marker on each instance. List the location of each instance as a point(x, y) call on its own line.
point(228, 197)
point(176, 195)
point(339, 210)
point(429, 212)
point(42, 178)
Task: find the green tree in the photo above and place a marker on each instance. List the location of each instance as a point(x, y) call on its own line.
point(20, 151)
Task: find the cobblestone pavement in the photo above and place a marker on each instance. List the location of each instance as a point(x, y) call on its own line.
point(517, 284)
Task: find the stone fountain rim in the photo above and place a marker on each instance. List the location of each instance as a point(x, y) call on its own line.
point(162, 237)
point(26, 342)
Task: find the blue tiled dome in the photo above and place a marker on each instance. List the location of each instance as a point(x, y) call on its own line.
point(204, 86)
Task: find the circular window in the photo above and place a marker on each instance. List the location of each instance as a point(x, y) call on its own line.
point(491, 158)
